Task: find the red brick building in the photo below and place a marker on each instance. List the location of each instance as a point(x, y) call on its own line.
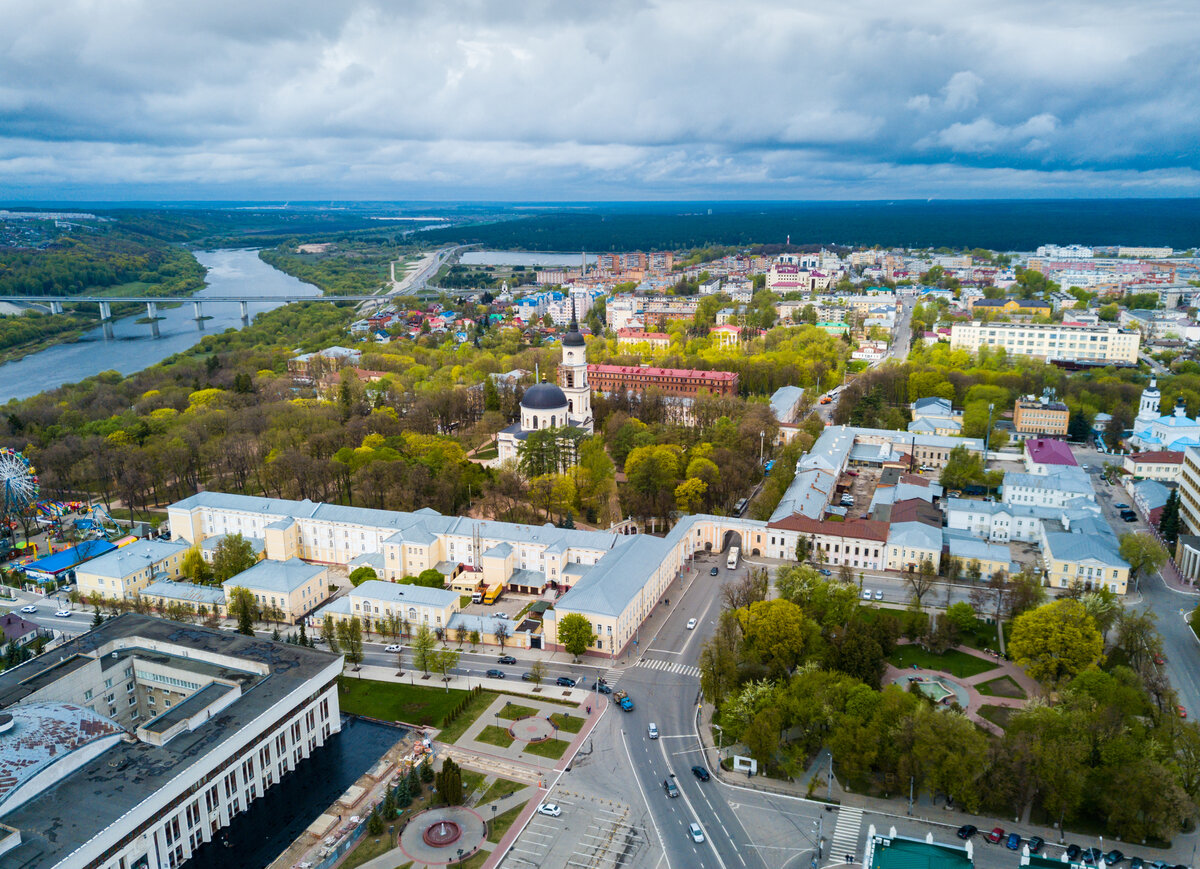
point(670, 381)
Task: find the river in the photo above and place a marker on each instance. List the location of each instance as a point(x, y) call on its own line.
point(128, 346)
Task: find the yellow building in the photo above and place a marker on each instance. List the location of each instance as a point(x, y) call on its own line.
point(124, 572)
point(1034, 416)
point(1089, 560)
point(295, 587)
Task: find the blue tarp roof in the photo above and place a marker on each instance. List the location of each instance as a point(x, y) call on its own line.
point(70, 557)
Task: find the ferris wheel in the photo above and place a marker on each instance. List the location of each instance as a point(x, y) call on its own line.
point(18, 484)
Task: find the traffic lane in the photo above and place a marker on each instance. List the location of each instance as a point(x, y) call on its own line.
point(78, 622)
point(583, 674)
point(786, 830)
point(1179, 642)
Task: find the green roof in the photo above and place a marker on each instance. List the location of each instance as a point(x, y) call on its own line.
point(902, 853)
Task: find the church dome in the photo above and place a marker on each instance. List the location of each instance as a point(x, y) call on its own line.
point(544, 396)
point(573, 338)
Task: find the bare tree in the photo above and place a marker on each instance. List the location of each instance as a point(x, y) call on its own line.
point(920, 581)
point(501, 634)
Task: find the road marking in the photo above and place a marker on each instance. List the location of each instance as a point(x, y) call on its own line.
point(669, 667)
point(646, 801)
point(845, 834)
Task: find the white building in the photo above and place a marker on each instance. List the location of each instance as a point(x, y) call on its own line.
point(1066, 251)
point(137, 742)
point(1058, 487)
point(1151, 431)
point(1053, 341)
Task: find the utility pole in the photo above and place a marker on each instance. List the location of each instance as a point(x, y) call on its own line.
point(910, 794)
point(987, 439)
point(829, 782)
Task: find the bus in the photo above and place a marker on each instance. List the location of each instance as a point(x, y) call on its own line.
point(493, 593)
point(731, 563)
point(740, 507)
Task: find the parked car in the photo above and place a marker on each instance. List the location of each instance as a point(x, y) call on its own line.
point(527, 677)
point(652, 730)
point(1120, 506)
point(507, 659)
point(966, 831)
point(1013, 842)
point(713, 572)
point(550, 809)
point(878, 594)
point(394, 647)
point(996, 835)
point(500, 616)
point(825, 572)
point(1092, 855)
point(691, 625)
point(697, 833)
point(670, 788)
point(1182, 711)
point(1035, 844)
point(1113, 857)
point(1073, 851)
point(603, 689)
point(565, 681)
point(32, 608)
point(1137, 863)
point(700, 773)
point(495, 674)
point(866, 594)
point(66, 614)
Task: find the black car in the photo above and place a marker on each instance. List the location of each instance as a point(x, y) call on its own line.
point(1035, 844)
point(1136, 863)
point(1113, 857)
point(565, 681)
point(966, 831)
point(527, 677)
point(700, 773)
point(670, 788)
point(713, 572)
point(604, 689)
point(507, 659)
point(1092, 856)
point(1073, 851)
point(495, 674)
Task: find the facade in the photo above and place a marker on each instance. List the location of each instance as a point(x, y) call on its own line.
point(858, 543)
point(546, 405)
point(166, 592)
point(1062, 487)
point(140, 740)
point(378, 600)
point(1053, 341)
point(1151, 431)
point(634, 339)
point(935, 416)
point(1091, 560)
point(1033, 416)
point(1166, 466)
point(294, 587)
point(1189, 490)
point(909, 544)
point(677, 382)
point(124, 572)
point(1001, 523)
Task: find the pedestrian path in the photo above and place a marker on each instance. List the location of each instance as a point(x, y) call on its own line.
point(612, 676)
point(670, 667)
point(845, 840)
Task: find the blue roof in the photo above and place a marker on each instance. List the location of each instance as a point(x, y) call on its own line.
point(71, 557)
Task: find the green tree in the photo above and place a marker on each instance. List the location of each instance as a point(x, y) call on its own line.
point(575, 633)
point(375, 824)
point(963, 468)
point(423, 643)
point(537, 672)
point(777, 634)
point(1144, 554)
point(232, 555)
point(243, 607)
point(362, 574)
point(1168, 521)
point(329, 633)
point(1078, 428)
point(1056, 641)
point(194, 567)
point(351, 634)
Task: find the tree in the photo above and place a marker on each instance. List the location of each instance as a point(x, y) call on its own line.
point(537, 672)
point(1056, 641)
point(1144, 554)
point(423, 643)
point(963, 468)
point(1168, 521)
point(194, 567)
point(501, 634)
point(575, 634)
point(1078, 428)
point(921, 580)
point(243, 607)
point(329, 633)
point(777, 634)
point(719, 659)
point(375, 824)
point(232, 555)
point(445, 660)
point(352, 639)
point(362, 574)
point(961, 615)
point(449, 783)
point(97, 619)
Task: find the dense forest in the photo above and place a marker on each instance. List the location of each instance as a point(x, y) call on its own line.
point(350, 269)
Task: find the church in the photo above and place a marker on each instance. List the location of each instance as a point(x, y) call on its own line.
point(547, 405)
point(1151, 431)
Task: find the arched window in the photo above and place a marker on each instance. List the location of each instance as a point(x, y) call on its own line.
point(412, 613)
point(551, 420)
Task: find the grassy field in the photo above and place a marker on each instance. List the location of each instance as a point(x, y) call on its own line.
point(456, 728)
point(394, 701)
point(513, 711)
point(503, 822)
point(1004, 686)
point(551, 748)
point(501, 787)
point(368, 849)
point(998, 715)
point(493, 735)
point(567, 722)
point(954, 662)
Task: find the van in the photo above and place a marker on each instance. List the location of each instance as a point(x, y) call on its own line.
point(652, 730)
point(477, 597)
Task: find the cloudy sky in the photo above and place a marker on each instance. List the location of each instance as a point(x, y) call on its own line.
point(529, 100)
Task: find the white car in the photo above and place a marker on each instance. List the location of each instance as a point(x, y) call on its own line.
point(878, 594)
point(500, 616)
point(697, 833)
point(866, 594)
point(691, 624)
point(393, 648)
point(550, 809)
point(63, 614)
point(32, 608)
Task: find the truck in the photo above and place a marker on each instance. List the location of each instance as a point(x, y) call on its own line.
point(732, 561)
point(493, 593)
point(626, 703)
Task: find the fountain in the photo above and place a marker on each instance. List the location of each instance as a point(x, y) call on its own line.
point(441, 833)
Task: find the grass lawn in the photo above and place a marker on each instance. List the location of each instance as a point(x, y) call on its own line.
point(368, 848)
point(500, 788)
point(551, 748)
point(456, 728)
point(513, 711)
point(475, 861)
point(471, 782)
point(997, 714)
point(567, 722)
point(954, 662)
point(503, 822)
point(494, 735)
point(395, 701)
point(1004, 686)
point(491, 451)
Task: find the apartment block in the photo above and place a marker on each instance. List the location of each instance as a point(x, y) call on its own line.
point(1040, 416)
point(1049, 341)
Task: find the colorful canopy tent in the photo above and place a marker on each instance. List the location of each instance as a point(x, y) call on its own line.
point(52, 567)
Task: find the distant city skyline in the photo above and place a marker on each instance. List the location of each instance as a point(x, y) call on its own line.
point(630, 100)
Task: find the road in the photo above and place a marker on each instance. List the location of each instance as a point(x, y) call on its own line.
point(897, 350)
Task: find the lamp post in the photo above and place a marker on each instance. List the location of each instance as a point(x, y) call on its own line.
point(761, 440)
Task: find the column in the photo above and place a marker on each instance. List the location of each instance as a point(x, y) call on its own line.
point(197, 309)
point(245, 310)
point(56, 307)
point(105, 311)
point(152, 310)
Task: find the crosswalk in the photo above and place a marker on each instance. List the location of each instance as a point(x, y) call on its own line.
point(845, 834)
point(670, 667)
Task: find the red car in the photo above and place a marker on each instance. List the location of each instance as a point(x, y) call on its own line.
point(1182, 712)
point(996, 835)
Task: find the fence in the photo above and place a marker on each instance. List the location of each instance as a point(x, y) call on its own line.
point(342, 848)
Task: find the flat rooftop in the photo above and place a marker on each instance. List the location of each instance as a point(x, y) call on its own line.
point(901, 853)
